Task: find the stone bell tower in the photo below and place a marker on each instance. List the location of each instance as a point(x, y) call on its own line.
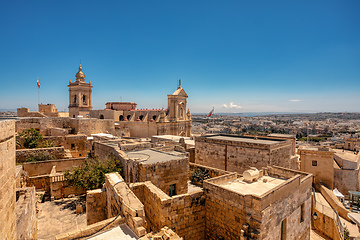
point(177, 105)
point(79, 96)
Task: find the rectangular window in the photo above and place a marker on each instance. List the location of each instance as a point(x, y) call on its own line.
point(314, 163)
point(302, 213)
point(172, 190)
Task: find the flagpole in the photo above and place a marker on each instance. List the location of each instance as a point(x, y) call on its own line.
point(38, 85)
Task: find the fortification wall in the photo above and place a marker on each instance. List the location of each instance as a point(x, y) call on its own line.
point(7, 180)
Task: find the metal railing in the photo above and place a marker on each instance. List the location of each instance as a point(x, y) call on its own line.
point(330, 212)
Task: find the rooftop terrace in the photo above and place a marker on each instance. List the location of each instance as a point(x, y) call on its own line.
point(261, 186)
point(150, 156)
point(247, 139)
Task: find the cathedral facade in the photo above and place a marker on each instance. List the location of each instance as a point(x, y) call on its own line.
point(175, 120)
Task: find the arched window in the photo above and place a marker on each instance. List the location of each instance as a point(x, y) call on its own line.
point(121, 118)
point(141, 117)
point(84, 99)
point(101, 116)
point(75, 98)
point(128, 117)
point(154, 117)
point(181, 113)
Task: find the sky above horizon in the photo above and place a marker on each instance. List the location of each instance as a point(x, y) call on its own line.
point(235, 56)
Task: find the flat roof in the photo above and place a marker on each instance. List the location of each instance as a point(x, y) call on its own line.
point(255, 188)
point(347, 155)
point(175, 138)
point(149, 156)
point(259, 140)
point(121, 232)
point(281, 135)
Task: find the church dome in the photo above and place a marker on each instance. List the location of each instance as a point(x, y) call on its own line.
point(80, 76)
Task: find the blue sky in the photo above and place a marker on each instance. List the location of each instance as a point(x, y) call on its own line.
point(238, 56)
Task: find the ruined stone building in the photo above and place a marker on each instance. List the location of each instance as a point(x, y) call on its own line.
point(236, 153)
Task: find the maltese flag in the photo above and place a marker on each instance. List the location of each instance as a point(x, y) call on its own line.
point(211, 112)
point(38, 83)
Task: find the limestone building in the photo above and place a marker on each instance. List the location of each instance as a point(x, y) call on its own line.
point(236, 153)
point(80, 95)
point(334, 168)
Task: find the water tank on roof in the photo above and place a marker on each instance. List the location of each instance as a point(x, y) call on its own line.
point(251, 175)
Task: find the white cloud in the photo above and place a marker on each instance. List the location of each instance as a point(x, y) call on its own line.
point(231, 106)
point(295, 100)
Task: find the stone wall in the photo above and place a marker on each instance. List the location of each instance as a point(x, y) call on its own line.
point(333, 201)
point(56, 152)
point(7, 180)
point(44, 167)
point(184, 214)
point(26, 224)
point(164, 174)
point(77, 144)
point(121, 200)
point(237, 156)
point(85, 126)
point(96, 208)
point(59, 188)
point(134, 146)
point(346, 180)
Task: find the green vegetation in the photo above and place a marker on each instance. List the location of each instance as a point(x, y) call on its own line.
point(40, 156)
point(313, 139)
point(346, 234)
point(91, 174)
point(199, 175)
point(45, 144)
point(32, 138)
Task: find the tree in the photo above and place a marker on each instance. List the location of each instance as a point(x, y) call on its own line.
point(91, 174)
point(40, 156)
point(31, 137)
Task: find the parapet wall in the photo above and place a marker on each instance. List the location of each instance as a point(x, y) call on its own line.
point(7, 180)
